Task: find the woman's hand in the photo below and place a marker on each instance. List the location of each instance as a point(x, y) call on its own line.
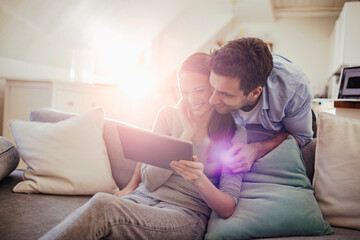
point(191, 171)
point(123, 192)
point(133, 183)
point(188, 121)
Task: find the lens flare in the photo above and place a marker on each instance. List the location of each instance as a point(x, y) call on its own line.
point(218, 151)
point(118, 61)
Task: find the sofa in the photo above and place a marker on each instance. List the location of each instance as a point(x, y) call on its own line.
point(30, 215)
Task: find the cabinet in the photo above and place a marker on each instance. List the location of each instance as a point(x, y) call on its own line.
point(22, 96)
point(345, 38)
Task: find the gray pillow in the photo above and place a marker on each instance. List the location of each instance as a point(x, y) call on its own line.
point(9, 157)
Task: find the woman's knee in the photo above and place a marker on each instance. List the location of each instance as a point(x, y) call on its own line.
point(101, 199)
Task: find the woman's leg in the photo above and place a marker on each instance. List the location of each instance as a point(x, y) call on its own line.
point(135, 217)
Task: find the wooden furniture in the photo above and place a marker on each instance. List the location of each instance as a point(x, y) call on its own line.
point(340, 107)
point(349, 109)
point(22, 96)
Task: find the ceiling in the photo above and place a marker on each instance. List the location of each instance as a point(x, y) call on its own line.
point(46, 31)
point(271, 10)
point(314, 8)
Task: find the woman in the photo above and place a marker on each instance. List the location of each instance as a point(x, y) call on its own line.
point(159, 203)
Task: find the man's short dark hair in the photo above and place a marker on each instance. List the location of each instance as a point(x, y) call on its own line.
point(247, 59)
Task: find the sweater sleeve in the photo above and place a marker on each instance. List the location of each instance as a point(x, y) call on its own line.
point(230, 183)
point(162, 123)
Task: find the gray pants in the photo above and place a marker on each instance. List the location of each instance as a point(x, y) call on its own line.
point(135, 216)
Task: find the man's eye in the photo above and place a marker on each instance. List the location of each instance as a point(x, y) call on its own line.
point(226, 94)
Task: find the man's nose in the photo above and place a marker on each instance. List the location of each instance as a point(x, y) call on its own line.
point(214, 99)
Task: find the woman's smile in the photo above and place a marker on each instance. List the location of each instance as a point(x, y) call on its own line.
point(196, 107)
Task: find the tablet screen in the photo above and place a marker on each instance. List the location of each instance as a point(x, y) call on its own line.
point(152, 148)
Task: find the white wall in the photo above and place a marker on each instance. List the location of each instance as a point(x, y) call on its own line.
point(46, 32)
point(11, 68)
point(305, 41)
point(47, 35)
point(185, 36)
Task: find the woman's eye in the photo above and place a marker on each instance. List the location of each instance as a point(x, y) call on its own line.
point(202, 90)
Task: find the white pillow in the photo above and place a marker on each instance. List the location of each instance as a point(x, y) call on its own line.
point(67, 157)
point(337, 170)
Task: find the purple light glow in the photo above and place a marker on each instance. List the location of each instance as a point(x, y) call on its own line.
point(218, 152)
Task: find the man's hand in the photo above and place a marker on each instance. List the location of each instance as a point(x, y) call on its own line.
point(240, 157)
point(191, 171)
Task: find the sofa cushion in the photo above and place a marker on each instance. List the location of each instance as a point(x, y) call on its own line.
point(9, 157)
point(29, 216)
point(66, 157)
point(337, 170)
point(122, 169)
point(276, 199)
point(257, 133)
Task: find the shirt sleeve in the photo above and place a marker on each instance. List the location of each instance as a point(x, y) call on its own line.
point(298, 117)
point(230, 183)
point(161, 124)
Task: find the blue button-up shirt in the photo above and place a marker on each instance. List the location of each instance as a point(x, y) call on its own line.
point(285, 102)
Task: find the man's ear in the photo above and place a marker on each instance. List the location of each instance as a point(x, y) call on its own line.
point(256, 92)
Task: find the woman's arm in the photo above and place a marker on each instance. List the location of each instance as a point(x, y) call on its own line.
point(160, 126)
point(220, 202)
point(134, 182)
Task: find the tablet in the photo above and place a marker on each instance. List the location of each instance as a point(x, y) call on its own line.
point(152, 148)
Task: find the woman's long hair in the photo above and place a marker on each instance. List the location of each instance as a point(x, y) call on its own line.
point(221, 128)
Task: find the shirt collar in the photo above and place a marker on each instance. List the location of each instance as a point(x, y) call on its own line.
point(263, 98)
point(264, 106)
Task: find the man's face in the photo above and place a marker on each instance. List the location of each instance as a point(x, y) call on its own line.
point(227, 96)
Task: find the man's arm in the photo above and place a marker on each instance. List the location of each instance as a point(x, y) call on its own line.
point(297, 122)
point(298, 117)
point(241, 157)
point(300, 127)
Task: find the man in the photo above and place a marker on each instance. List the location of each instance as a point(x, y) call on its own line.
point(263, 90)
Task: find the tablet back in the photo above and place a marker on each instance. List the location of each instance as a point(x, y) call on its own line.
point(151, 148)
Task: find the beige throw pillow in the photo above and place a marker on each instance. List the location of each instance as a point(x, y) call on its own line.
point(67, 157)
point(337, 170)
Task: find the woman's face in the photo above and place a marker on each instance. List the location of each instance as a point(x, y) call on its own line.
point(196, 91)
